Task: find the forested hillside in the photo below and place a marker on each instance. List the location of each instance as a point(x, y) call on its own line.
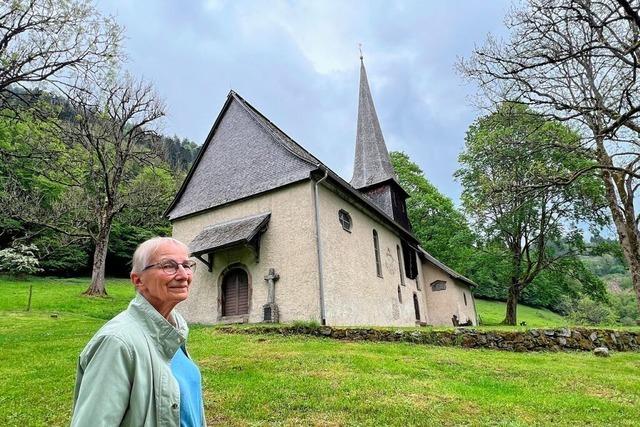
point(37, 173)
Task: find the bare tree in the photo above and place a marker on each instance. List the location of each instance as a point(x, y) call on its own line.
point(578, 61)
point(115, 127)
point(45, 40)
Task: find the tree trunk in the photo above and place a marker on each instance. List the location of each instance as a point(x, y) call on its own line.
point(515, 286)
point(621, 204)
point(629, 240)
point(634, 267)
point(512, 305)
point(97, 287)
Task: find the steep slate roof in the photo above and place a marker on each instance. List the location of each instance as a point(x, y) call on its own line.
point(372, 164)
point(228, 233)
point(446, 269)
point(240, 145)
point(244, 155)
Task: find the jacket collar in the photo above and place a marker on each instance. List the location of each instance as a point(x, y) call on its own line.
point(166, 337)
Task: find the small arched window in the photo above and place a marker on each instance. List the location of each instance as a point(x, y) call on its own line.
point(465, 298)
point(399, 295)
point(438, 285)
point(345, 220)
point(376, 248)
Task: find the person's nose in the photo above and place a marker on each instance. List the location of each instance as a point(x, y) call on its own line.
point(181, 272)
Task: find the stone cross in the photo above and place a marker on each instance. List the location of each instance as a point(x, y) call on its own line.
point(271, 281)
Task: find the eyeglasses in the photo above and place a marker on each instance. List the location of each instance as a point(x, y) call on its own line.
point(171, 267)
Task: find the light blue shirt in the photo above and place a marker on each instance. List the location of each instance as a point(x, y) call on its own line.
point(188, 377)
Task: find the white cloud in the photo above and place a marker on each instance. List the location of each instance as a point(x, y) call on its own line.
point(298, 62)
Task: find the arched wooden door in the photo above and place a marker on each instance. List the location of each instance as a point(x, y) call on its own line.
point(235, 293)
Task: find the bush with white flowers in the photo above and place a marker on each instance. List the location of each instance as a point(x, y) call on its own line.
point(19, 260)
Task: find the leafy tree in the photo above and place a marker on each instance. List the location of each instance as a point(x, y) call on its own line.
point(48, 40)
point(577, 61)
point(589, 312)
point(625, 309)
point(141, 221)
point(88, 170)
point(440, 228)
point(502, 156)
point(179, 154)
point(567, 279)
point(61, 255)
point(41, 200)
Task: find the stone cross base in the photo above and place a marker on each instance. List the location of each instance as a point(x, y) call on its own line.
point(271, 313)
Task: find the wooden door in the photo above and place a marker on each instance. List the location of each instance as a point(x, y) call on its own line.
point(235, 293)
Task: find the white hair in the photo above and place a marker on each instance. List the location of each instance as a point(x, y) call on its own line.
point(147, 249)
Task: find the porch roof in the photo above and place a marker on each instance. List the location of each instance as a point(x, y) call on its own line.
point(230, 233)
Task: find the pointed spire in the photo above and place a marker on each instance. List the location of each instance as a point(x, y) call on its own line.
point(372, 164)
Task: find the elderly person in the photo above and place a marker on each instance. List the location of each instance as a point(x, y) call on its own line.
point(136, 371)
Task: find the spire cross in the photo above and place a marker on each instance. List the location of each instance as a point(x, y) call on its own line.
point(360, 49)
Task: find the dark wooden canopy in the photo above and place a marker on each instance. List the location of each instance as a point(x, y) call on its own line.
point(238, 232)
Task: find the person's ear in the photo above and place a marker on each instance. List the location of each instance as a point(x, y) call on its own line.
point(136, 280)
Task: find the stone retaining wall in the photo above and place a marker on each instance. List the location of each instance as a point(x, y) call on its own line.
point(564, 339)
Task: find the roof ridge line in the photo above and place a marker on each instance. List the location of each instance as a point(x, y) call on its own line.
point(253, 111)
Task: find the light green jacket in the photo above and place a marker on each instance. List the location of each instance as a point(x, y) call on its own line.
point(124, 374)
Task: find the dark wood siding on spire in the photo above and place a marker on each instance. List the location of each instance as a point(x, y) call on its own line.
point(400, 208)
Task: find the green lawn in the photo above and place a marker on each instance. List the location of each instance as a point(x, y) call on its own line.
point(493, 313)
point(52, 295)
point(275, 380)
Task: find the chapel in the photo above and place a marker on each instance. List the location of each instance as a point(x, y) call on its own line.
point(280, 237)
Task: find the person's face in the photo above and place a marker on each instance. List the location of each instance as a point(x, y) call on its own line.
point(161, 289)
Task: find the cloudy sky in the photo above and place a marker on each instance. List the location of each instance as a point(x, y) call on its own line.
point(297, 62)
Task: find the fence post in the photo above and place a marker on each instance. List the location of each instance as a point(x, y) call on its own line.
point(30, 292)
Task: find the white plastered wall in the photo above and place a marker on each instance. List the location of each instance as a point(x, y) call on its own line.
point(288, 246)
point(442, 305)
point(354, 294)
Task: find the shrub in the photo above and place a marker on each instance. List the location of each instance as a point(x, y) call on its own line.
point(565, 305)
point(626, 308)
point(589, 312)
point(20, 260)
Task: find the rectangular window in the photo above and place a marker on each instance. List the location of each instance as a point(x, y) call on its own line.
point(400, 265)
point(376, 248)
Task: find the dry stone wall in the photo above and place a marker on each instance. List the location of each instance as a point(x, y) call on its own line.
point(563, 339)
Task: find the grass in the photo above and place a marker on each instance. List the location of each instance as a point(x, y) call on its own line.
point(492, 313)
point(295, 380)
point(52, 295)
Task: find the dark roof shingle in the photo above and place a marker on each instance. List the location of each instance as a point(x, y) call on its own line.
point(244, 155)
point(229, 233)
point(372, 163)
